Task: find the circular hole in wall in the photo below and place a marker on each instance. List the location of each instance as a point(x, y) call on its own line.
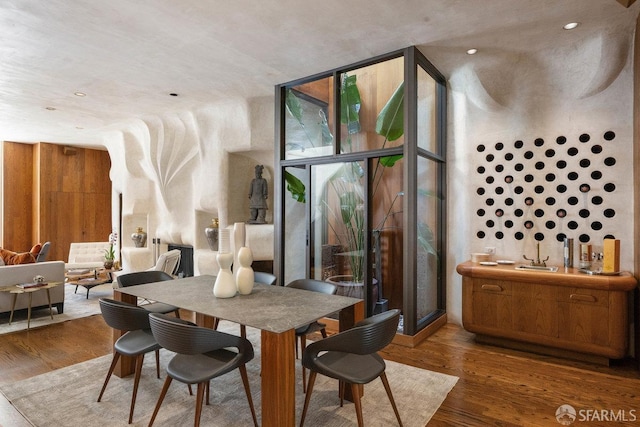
point(585, 163)
point(610, 187)
point(490, 223)
point(539, 213)
point(480, 212)
point(572, 200)
point(528, 225)
point(518, 144)
point(584, 137)
point(572, 176)
point(528, 178)
point(596, 200)
point(489, 157)
point(539, 237)
point(499, 168)
point(538, 142)
point(480, 234)
point(480, 191)
point(539, 189)
point(561, 164)
point(518, 190)
point(609, 161)
point(550, 225)
point(584, 238)
point(596, 149)
point(499, 234)
point(519, 235)
point(508, 201)
point(481, 169)
point(489, 180)
point(528, 155)
point(561, 213)
point(550, 177)
point(508, 223)
point(584, 213)
point(596, 175)
point(561, 140)
point(499, 212)
point(609, 135)
point(508, 179)
point(572, 151)
point(550, 201)
point(499, 190)
point(550, 153)
point(596, 225)
point(572, 225)
point(561, 188)
point(499, 146)
point(490, 202)
point(528, 201)
point(481, 148)
point(519, 167)
point(539, 165)
point(560, 237)
point(508, 156)
point(518, 212)
point(609, 213)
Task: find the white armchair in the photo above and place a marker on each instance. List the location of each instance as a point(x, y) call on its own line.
point(168, 262)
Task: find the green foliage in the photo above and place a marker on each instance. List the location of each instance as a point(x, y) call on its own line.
point(295, 187)
point(350, 104)
point(390, 121)
point(110, 254)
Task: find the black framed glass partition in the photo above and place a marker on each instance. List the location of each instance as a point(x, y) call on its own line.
point(360, 169)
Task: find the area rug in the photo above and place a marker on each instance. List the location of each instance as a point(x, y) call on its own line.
point(76, 305)
point(67, 397)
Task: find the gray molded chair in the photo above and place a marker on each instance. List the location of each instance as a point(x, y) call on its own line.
point(202, 354)
point(136, 342)
point(351, 357)
point(265, 278)
point(149, 276)
point(44, 251)
point(302, 332)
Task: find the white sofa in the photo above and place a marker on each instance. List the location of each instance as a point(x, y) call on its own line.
point(86, 255)
point(52, 271)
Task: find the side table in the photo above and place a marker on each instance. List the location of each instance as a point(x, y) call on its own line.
point(17, 289)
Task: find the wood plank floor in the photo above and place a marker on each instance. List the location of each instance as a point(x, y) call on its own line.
point(497, 386)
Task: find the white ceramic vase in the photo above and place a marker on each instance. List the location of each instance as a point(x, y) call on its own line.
point(225, 284)
point(244, 273)
point(239, 238)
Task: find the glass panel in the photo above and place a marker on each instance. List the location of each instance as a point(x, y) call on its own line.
point(338, 220)
point(427, 112)
point(387, 225)
point(295, 230)
point(371, 107)
point(308, 112)
point(427, 256)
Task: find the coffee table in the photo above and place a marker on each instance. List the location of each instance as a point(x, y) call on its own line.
point(89, 279)
point(29, 289)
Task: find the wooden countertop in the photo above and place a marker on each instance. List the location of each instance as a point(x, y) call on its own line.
point(570, 277)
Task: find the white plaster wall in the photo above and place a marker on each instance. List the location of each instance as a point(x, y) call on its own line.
point(178, 171)
point(566, 89)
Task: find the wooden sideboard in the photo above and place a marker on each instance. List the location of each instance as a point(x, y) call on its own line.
point(563, 313)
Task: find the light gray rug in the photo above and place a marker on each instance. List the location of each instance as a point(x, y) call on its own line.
point(76, 305)
point(67, 397)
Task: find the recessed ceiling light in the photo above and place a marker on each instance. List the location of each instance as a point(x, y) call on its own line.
point(50, 108)
point(173, 94)
point(79, 94)
point(472, 51)
point(571, 25)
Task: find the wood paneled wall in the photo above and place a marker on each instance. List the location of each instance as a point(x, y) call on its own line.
point(18, 180)
point(71, 196)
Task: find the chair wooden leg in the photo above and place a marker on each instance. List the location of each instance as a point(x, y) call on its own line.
point(207, 393)
point(216, 321)
point(114, 361)
point(190, 391)
point(163, 393)
point(247, 390)
point(136, 382)
point(199, 398)
point(177, 312)
point(243, 331)
point(383, 377)
point(312, 380)
point(303, 344)
point(158, 364)
point(355, 390)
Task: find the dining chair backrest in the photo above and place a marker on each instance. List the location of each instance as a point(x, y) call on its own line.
point(168, 262)
point(266, 278)
point(314, 285)
point(44, 251)
point(123, 316)
point(183, 337)
point(142, 277)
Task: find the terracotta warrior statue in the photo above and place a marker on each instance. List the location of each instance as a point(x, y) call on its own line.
point(258, 193)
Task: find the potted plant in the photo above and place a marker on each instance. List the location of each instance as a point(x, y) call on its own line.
point(110, 253)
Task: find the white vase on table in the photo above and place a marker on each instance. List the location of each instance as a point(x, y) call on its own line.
point(225, 285)
point(244, 273)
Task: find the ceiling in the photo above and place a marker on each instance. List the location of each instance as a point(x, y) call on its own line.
point(129, 57)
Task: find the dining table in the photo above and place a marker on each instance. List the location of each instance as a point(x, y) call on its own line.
point(275, 310)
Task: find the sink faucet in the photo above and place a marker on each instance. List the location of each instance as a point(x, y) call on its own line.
point(537, 262)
